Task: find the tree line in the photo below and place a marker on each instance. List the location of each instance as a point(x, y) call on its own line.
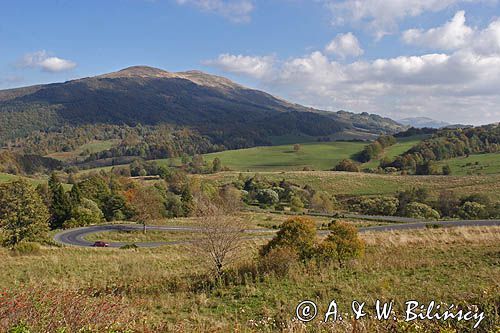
point(446, 144)
point(374, 149)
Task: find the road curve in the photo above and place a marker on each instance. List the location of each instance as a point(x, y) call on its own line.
point(76, 237)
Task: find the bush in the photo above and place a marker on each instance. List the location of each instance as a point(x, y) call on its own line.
point(390, 170)
point(129, 247)
point(347, 165)
point(379, 206)
point(296, 233)
point(342, 244)
point(472, 210)
point(421, 211)
point(446, 170)
point(296, 204)
point(25, 248)
point(278, 261)
point(323, 202)
point(267, 197)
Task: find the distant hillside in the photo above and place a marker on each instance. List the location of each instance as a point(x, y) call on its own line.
point(448, 144)
point(230, 114)
point(421, 122)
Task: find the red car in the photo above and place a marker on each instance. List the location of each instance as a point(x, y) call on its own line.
point(100, 244)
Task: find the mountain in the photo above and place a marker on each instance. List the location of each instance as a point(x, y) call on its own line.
point(421, 122)
point(230, 114)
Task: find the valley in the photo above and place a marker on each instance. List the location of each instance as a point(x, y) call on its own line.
point(216, 206)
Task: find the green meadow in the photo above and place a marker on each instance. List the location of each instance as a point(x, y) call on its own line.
point(481, 164)
point(402, 146)
point(316, 156)
point(88, 148)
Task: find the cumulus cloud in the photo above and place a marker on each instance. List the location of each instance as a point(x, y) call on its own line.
point(381, 17)
point(235, 10)
point(42, 60)
point(458, 81)
point(456, 35)
point(487, 41)
point(345, 45)
point(461, 86)
point(452, 35)
point(252, 66)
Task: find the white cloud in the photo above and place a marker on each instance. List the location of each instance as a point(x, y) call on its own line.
point(255, 67)
point(381, 17)
point(456, 35)
point(41, 59)
point(452, 35)
point(234, 10)
point(487, 41)
point(345, 45)
point(461, 86)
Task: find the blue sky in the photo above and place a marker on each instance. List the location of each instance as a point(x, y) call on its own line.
point(436, 58)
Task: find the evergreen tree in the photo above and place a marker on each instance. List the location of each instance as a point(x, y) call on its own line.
point(187, 201)
point(60, 208)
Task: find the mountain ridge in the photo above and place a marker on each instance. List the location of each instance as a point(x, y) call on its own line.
point(231, 114)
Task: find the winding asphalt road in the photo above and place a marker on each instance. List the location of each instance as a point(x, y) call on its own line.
point(76, 237)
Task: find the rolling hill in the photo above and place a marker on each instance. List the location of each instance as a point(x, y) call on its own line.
point(228, 113)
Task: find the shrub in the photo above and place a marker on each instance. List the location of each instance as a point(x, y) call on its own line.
point(129, 247)
point(421, 211)
point(25, 248)
point(446, 170)
point(390, 170)
point(379, 206)
point(296, 233)
point(296, 204)
point(347, 165)
point(278, 261)
point(342, 244)
point(323, 202)
point(267, 197)
point(472, 210)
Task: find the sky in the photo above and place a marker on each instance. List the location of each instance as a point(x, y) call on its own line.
point(397, 58)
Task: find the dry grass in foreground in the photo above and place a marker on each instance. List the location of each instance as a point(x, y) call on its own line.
point(165, 289)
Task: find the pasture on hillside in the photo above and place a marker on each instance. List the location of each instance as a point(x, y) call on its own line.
point(366, 184)
point(317, 156)
point(480, 164)
point(402, 146)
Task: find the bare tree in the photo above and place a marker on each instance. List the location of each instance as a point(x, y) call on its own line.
point(220, 236)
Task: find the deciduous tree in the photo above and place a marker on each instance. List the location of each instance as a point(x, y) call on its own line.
point(23, 215)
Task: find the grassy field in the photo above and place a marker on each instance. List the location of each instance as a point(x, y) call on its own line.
point(481, 164)
point(138, 236)
point(159, 290)
point(5, 177)
point(344, 183)
point(91, 147)
point(312, 155)
point(317, 156)
point(402, 146)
